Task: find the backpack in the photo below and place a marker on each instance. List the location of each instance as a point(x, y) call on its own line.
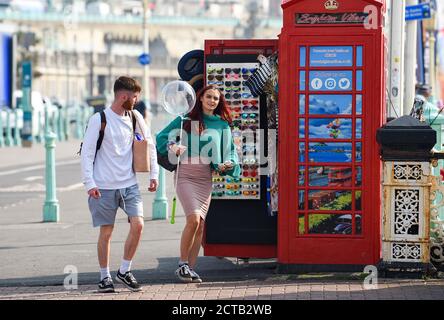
point(102, 131)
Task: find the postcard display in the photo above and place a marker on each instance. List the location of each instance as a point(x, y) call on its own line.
point(330, 139)
point(244, 109)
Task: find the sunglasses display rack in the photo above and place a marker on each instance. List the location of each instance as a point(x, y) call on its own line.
point(244, 109)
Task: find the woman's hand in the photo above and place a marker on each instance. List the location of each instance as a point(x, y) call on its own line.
point(227, 165)
point(178, 149)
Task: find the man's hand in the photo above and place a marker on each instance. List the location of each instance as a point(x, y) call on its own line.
point(94, 193)
point(153, 185)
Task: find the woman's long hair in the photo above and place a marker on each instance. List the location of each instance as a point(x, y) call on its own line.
point(197, 113)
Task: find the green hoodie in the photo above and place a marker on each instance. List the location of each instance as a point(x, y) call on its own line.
point(216, 142)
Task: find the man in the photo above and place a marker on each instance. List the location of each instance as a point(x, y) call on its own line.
point(427, 104)
point(111, 182)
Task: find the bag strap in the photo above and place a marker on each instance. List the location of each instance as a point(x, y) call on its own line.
point(135, 123)
point(102, 130)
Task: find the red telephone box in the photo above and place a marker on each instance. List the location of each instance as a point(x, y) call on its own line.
point(331, 101)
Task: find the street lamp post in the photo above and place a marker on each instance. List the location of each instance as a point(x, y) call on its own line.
point(51, 205)
point(410, 61)
point(146, 68)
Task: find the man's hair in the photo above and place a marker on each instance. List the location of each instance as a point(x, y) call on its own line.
point(127, 83)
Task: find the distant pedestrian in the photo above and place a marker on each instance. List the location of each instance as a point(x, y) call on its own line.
point(110, 180)
point(141, 107)
point(209, 121)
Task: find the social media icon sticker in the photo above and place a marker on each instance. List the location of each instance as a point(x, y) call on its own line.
point(316, 83)
point(344, 84)
point(330, 83)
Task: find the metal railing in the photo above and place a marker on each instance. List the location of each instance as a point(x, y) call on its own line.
point(65, 123)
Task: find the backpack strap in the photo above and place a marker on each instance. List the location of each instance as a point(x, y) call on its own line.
point(133, 118)
point(102, 130)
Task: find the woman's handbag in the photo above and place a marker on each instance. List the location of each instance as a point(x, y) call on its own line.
point(141, 151)
point(165, 163)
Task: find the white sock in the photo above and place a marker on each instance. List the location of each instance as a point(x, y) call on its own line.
point(125, 267)
point(181, 263)
point(104, 272)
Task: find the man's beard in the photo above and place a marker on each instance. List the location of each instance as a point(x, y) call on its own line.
point(128, 105)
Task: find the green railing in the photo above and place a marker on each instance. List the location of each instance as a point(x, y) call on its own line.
point(59, 121)
point(128, 19)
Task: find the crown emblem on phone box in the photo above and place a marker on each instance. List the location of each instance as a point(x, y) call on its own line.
point(331, 5)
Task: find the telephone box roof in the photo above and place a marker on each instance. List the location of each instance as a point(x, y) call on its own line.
point(287, 3)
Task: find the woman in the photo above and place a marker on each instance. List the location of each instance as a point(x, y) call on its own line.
point(208, 123)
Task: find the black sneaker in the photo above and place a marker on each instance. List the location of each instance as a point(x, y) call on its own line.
point(195, 278)
point(128, 280)
point(106, 285)
point(184, 273)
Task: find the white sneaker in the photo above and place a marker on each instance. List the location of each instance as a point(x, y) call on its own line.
point(195, 277)
point(184, 273)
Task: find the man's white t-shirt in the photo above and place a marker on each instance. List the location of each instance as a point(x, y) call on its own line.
point(112, 167)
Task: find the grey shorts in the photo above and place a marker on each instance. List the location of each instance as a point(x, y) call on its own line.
point(104, 209)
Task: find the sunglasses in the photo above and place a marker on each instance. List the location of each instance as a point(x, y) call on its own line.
point(249, 115)
point(250, 193)
point(237, 123)
point(251, 127)
point(218, 193)
point(249, 121)
point(249, 161)
point(234, 193)
point(232, 70)
point(218, 179)
point(233, 186)
point(250, 108)
point(249, 180)
point(236, 180)
point(250, 173)
point(251, 186)
point(235, 117)
point(250, 166)
point(235, 109)
point(232, 76)
point(232, 96)
point(217, 83)
point(218, 186)
point(245, 76)
point(233, 89)
point(215, 70)
point(252, 102)
point(235, 102)
point(246, 95)
point(232, 83)
point(249, 148)
point(217, 77)
point(248, 70)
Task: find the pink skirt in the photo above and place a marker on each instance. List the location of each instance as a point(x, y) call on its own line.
point(194, 187)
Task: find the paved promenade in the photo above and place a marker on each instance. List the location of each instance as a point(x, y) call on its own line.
point(38, 257)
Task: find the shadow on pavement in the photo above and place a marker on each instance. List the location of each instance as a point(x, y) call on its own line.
point(210, 268)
